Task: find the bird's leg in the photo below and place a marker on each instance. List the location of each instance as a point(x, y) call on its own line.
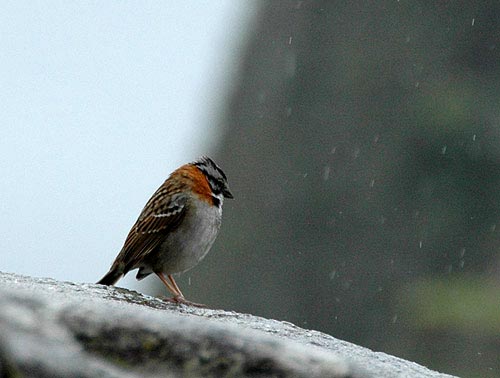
point(174, 289)
point(169, 286)
point(171, 278)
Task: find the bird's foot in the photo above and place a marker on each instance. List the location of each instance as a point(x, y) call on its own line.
point(178, 299)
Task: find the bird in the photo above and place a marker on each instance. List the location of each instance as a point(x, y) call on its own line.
point(176, 228)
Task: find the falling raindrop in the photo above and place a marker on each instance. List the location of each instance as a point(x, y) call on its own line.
point(326, 173)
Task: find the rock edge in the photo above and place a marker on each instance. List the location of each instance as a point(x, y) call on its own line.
point(62, 329)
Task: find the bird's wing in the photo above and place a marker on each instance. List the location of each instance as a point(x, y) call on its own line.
point(158, 218)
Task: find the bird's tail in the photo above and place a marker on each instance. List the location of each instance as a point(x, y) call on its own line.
point(111, 277)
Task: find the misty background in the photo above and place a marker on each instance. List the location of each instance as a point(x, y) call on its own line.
point(361, 141)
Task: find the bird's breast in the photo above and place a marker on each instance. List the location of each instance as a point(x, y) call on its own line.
point(191, 241)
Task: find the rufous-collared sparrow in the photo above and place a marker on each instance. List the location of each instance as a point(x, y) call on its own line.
point(176, 228)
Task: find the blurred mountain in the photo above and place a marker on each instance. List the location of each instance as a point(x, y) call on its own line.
point(362, 144)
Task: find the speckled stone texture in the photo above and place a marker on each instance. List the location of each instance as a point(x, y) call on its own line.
point(60, 329)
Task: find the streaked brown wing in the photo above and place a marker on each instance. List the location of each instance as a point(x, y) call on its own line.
point(157, 219)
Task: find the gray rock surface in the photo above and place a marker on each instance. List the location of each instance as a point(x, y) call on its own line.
point(61, 329)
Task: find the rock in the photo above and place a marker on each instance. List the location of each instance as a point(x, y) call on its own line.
point(61, 329)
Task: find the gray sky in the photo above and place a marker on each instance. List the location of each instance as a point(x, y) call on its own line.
point(100, 101)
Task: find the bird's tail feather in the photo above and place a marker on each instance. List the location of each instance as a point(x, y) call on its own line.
point(111, 277)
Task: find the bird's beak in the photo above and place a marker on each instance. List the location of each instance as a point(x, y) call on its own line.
point(226, 193)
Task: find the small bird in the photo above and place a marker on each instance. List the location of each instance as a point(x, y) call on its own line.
point(176, 228)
